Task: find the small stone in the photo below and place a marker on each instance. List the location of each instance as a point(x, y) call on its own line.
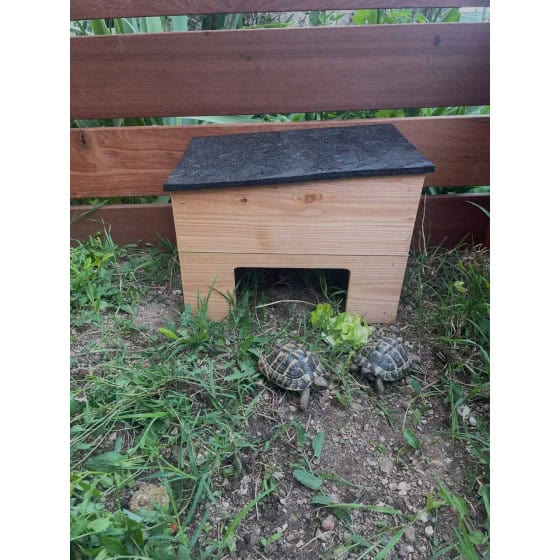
point(291, 536)
point(340, 553)
point(251, 540)
point(322, 536)
point(244, 486)
point(385, 464)
point(329, 523)
point(299, 544)
point(402, 551)
point(472, 421)
point(464, 412)
point(403, 486)
point(409, 534)
point(423, 516)
point(429, 530)
point(147, 496)
point(409, 549)
point(392, 486)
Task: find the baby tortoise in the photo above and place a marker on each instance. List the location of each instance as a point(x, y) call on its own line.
point(386, 360)
point(295, 368)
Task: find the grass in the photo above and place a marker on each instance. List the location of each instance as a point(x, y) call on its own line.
point(173, 407)
point(450, 291)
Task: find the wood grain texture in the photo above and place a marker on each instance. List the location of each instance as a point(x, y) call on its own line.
point(446, 220)
point(279, 70)
point(92, 9)
point(373, 290)
point(363, 216)
point(136, 161)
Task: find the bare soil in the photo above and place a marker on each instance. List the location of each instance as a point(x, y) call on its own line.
point(365, 454)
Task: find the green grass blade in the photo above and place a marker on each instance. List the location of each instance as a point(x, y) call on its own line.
point(390, 545)
point(241, 515)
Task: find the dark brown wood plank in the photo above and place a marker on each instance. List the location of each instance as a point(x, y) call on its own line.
point(447, 220)
point(126, 223)
point(136, 161)
point(93, 9)
point(279, 70)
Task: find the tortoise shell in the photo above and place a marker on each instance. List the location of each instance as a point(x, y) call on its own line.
point(291, 366)
point(387, 359)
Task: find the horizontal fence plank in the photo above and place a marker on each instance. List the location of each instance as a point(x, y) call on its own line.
point(445, 220)
point(127, 223)
point(279, 70)
point(136, 161)
point(93, 9)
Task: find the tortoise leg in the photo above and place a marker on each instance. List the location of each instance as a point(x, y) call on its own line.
point(304, 399)
point(379, 386)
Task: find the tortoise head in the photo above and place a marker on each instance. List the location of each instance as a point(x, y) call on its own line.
point(320, 382)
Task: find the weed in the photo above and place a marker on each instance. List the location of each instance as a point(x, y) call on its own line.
point(176, 410)
point(451, 293)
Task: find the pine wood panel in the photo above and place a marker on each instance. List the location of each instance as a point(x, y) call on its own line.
point(279, 70)
point(373, 290)
point(363, 216)
point(92, 9)
point(447, 220)
point(136, 161)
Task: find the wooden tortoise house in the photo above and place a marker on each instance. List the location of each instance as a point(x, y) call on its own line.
point(318, 194)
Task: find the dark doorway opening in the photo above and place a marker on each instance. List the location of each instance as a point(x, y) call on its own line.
point(294, 289)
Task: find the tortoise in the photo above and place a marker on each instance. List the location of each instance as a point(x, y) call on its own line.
point(385, 360)
point(295, 368)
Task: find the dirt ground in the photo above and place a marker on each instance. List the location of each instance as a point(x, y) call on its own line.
point(364, 451)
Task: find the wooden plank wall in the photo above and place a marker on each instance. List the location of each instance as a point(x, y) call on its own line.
point(279, 70)
point(136, 161)
point(264, 71)
point(93, 9)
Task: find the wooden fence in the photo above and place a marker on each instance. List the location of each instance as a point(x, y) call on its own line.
point(268, 71)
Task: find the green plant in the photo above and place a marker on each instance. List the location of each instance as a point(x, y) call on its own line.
point(471, 543)
point(451, 294)
point(343, 330)
point(181, 411)
point(95, 285)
